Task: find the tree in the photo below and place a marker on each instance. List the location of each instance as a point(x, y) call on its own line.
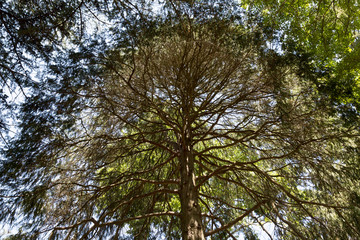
point(32, 34)
point(29, 31)
point(188, 126)
point(328, 31)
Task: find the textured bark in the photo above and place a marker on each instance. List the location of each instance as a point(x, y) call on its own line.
point(191, 224)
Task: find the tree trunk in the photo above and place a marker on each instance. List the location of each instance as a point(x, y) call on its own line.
point(191, 224)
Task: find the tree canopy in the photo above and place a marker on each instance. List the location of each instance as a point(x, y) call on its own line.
point(182, 120)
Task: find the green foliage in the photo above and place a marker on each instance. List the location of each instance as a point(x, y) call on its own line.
point(328, 31)
point(246, 99)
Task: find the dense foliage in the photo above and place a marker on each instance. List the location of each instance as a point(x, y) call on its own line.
point(181, 119)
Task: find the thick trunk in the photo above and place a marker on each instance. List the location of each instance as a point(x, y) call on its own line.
point(191, 224)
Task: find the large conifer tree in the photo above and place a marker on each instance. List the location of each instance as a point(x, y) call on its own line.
point(181, 121)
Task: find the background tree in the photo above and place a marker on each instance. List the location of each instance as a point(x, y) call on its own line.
point(326, 31)
point(185, 125)
point(32, 35)
point(29, 32)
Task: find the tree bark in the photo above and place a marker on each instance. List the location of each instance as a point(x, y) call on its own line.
point(191, 224)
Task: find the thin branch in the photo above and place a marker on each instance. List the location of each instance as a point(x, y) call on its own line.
point(236, 220)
